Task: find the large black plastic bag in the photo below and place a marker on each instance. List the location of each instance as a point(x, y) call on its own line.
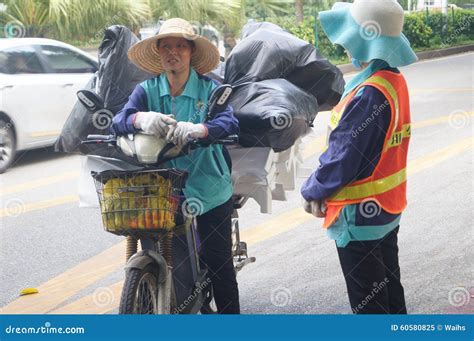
point(117, 74)
point(251, 27)
point(272, 113)
point(266, 51)
point(114, 82)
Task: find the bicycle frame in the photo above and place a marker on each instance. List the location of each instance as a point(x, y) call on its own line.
point(183, 285)
point(186, 276)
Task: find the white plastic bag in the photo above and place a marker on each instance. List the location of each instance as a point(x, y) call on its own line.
point(87, 192)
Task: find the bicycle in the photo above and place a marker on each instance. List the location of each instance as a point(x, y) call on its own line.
point(166, 276)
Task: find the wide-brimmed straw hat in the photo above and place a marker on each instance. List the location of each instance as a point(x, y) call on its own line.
point(145, 54)
point(369, 29)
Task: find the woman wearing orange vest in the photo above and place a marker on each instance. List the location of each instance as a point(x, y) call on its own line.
point(360, 184)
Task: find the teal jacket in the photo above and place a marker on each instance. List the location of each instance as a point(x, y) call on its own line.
point(209, 181)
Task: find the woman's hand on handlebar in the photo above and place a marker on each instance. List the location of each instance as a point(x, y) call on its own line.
point(182, 132)
point(153, 123)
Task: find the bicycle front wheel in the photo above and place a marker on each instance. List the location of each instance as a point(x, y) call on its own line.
point(140, 291)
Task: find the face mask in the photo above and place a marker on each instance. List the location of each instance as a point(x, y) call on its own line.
point(356, 63)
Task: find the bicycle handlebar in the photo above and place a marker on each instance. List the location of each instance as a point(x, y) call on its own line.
point(162, 157)
point(93, 138)
point(112, 139)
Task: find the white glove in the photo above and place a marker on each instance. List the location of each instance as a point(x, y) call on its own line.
point(182, 132)
point(153, 123)
point(315, 207)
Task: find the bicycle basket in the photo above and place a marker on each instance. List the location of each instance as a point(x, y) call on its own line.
point(139, 201)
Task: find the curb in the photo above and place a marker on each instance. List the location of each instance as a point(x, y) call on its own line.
point(347, 68)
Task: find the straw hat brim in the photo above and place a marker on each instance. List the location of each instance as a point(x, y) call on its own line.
point(146, 56)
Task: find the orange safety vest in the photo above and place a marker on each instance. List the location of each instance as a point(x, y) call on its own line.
point(387, 184)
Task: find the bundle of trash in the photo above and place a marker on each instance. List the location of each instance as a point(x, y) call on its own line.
point(113, 83)
point(278, 113)
point(280, 83)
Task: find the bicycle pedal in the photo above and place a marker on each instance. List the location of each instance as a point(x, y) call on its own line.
point(241, 263)
point(242, 248)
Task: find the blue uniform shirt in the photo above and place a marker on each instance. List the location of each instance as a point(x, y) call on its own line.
point(224, 124)
point(209, 182)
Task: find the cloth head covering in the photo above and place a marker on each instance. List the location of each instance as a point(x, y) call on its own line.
point(368, 30)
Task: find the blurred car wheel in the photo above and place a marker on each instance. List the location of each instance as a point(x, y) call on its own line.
point(7, 145)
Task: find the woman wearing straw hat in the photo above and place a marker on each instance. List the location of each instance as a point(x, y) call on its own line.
point(174, 105)
point(360, 185)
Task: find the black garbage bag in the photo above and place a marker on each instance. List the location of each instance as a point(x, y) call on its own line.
point(118, 76)
point(251, 27)
point(273, 113)
point(267, 51)
point(113, 82)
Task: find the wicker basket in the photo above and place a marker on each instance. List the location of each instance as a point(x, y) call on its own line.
point(140, 201)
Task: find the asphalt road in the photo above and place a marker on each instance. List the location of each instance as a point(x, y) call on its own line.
point(49, 243)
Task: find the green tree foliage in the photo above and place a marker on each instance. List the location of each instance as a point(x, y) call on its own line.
point(74, 19)
point(421, 30)
point(85, 21)
point(264, 9)
point(416, 30)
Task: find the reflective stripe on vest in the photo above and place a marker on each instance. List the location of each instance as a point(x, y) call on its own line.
point(397, 136)
point(354, 192)
point(392, 92)
point(333, 122)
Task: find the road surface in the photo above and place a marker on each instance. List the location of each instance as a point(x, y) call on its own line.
point(49, 243)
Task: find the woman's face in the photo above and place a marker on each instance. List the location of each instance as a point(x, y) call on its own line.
point(175, 54)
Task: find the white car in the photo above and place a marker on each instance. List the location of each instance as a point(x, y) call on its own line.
point(39, 79)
